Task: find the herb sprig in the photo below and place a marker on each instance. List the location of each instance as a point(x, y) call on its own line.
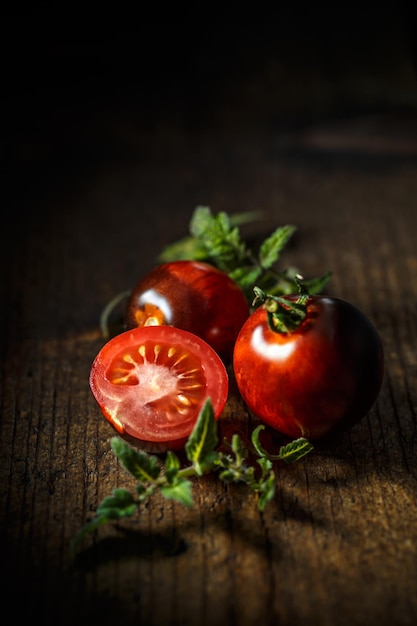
point(174, 481)
point(216, 239)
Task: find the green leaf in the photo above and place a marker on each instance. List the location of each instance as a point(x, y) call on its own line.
point(249, 477)
point(180, 490)
point(188, 248)
point(260, 450)
point(201, 444)
point(277, 283)
point(228, 475)
point(245, 276)
point(120, 504)
point(142, 466)
point(202, 221)
point(172, 466)
point(272, 247)
point(295, 450)
point(195, 247)
point(267, 490)
point(145, 490)
point(221, 241)
point(241, 453)
point(265, 464)
point(289, 453)
point(316, 285)
point(237, 219)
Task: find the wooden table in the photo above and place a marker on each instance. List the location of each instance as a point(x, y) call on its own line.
point(106, 161)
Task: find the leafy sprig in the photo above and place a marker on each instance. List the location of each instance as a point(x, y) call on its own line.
point(216, 239)
point(174, 481)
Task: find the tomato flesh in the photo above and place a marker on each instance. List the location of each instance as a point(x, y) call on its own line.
point(152, 382)
point(320, 379)
point(194, 296)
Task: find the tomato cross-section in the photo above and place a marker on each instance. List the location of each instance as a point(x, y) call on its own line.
point(151, 383)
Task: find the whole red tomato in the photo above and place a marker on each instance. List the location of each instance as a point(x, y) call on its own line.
point(321, 378)
point(194, 296)
point(151, 383)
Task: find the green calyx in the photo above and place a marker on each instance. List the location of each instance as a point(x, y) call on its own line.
point(283, 315)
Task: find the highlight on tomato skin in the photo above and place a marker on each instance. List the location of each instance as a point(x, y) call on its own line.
point(315, 381)
point(151, 383)
point(194, 296)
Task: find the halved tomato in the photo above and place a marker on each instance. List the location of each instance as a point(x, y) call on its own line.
point(151, 383)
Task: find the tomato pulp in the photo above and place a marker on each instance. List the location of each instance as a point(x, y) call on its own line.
point(194, 296)
point(319, 379)
point(151, 383)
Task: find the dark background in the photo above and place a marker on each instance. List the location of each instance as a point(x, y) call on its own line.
point(76, 83)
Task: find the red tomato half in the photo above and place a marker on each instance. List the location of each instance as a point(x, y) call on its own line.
point(151, 384)
point(319, 379)
point(193, 296)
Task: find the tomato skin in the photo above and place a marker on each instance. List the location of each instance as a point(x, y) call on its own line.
point(151, 383)
point(316, 381)
point(194, 296)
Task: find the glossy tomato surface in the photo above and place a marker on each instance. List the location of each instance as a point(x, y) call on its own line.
point(152, 382)
point(193, 296)
point(320, 379)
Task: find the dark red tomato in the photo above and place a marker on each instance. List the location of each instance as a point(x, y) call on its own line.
point(193, 296)
point(152, 382)
point(320, 379)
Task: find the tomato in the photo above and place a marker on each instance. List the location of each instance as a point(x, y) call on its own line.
point(151, 383)
point(317, 380)
point(194, 296)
